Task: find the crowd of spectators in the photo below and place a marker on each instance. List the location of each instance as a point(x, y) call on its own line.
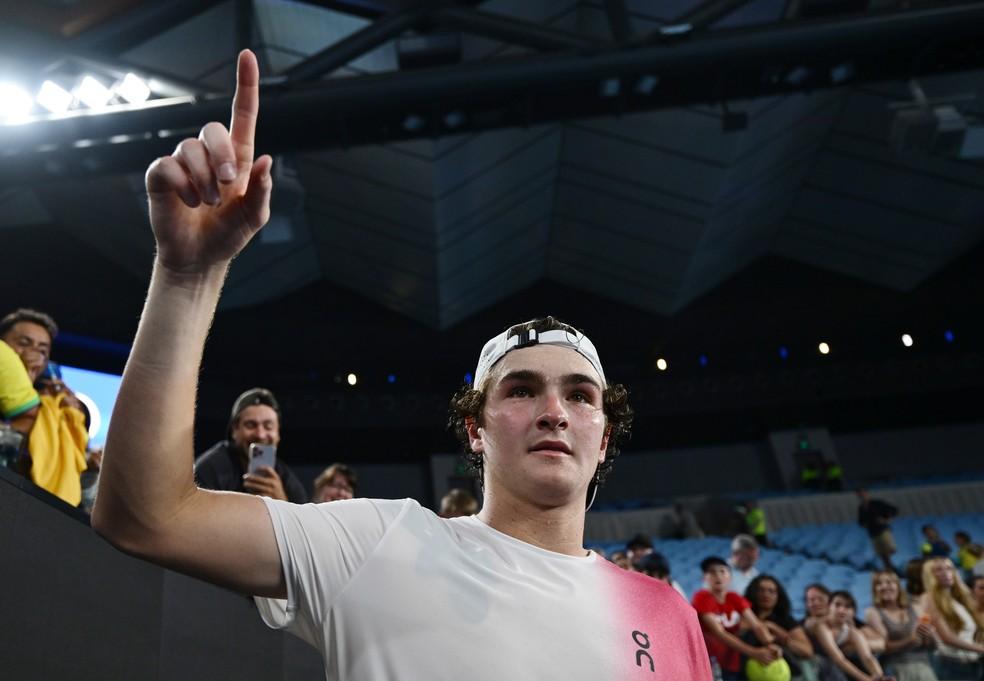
point(927, 626)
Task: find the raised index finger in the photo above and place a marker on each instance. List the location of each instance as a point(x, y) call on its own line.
point(245, 107)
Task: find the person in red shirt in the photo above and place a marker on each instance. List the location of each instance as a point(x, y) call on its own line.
point(724, 615)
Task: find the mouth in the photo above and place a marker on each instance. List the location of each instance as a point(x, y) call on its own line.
point(551, 448)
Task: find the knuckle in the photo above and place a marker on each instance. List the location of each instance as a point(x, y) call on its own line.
point(187, 146)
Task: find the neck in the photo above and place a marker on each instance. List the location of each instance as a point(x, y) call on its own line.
point(764, 614)
point(719, 594)
point(559, 529)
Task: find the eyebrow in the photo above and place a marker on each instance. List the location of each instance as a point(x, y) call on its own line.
point(538, 377)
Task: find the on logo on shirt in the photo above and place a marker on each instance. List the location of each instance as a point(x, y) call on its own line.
point(641, 639)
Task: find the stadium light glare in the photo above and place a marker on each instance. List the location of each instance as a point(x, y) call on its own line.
point(352, 379)
point(661, 364)
point(906, 340)
point(15, 102)
point(54, 97)
point(823, 348)
point(92, 93)
point(133, 89)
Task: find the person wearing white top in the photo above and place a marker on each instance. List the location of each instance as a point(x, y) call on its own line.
point(949, 606)
point(386, 590)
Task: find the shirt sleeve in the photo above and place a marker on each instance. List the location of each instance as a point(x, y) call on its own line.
point(322, 547)
point(739, 602)
point(701, 603)
point(17, 394)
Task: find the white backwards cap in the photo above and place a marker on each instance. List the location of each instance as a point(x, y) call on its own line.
point(497, 348)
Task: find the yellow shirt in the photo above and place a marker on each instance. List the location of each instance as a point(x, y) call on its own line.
point(17, 395)
point(57, 446)
point(968, 559)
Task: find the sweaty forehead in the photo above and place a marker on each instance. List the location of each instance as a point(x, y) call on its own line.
point(551, 360)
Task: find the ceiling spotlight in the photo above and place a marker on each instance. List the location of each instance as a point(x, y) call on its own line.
point(352, 379)
point(133, 90)
point(15, 102)
point(823, 348)
point(92, 93)
point(661, 364)
point(54, 97)
point(906, 340)
point(948, 335)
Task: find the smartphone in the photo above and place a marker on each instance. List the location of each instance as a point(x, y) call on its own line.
point(261, 455)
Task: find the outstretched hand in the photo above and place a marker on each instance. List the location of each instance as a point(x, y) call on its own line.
point(210, 197)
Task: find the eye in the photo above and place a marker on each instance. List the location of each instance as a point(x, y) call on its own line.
point(520, 391)
point(580, 396)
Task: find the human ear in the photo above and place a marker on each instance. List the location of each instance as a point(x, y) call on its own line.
point(604, 443)
point(474, 435)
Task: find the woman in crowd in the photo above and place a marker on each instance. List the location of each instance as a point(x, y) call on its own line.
point(771, 605)
point(817, 598)
point(950, 608)
point(836, 637)
point(907, 640)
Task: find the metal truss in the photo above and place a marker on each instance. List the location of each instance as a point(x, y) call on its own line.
point(571, 79)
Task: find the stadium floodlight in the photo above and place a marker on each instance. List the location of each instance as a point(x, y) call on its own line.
point(54, 97)
point(92, 93)
point(661, 364)
point(133, 89)
point(824, 348)
point(907, 340)
point(15, 102)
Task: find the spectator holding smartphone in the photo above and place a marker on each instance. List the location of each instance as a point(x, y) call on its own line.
point(255, 419)
point(59, 435)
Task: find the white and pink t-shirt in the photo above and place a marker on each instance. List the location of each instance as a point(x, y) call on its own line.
point(387, 590)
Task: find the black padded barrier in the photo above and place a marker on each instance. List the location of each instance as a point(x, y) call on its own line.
point(72, 606)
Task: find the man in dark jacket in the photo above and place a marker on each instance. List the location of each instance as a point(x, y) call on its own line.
point(255, 419)
point(874, 515)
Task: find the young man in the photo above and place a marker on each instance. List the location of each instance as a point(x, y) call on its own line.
point(385, 589)
point(724, 614)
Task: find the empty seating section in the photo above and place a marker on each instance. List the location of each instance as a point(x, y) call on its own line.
point(838, 555)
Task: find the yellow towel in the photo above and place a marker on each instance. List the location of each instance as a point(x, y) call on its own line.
point(57, 445)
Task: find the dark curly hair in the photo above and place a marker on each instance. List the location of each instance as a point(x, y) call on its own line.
point(783, 608)
point(468, 404)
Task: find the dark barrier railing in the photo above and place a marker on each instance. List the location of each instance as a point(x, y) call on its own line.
point(73, 607)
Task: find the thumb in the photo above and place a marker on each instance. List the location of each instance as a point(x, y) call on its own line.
point(256, 202)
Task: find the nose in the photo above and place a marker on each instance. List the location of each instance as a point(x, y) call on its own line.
point(554, 413)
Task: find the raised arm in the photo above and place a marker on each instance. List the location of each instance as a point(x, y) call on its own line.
point(206, 201)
